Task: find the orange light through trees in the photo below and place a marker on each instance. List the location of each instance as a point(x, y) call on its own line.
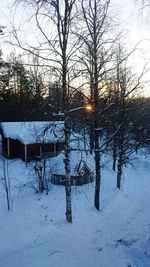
point(89, 107)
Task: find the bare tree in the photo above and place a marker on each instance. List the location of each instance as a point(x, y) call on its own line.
point(63, 22)
point(127, 87)
point(57, 50)
point(97, 55)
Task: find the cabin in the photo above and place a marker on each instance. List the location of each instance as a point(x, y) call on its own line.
point(32, 140)
point(82, 170)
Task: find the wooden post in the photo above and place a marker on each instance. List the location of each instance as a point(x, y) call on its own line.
point(25, 154)
point(78, 142)
point(8, 147)
point(54, 148)
point(41, 152)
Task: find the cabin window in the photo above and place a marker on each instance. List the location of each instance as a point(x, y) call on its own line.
point(48, 150)
point(59, 147)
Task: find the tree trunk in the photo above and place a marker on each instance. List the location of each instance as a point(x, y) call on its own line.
point(120, 164)
point(8, 198)
point(67, 170)
point(114, 155)
point(98, 171)
point(119, 173)
point(91, 139)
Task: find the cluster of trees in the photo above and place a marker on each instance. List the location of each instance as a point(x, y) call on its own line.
point(27, 95)
point(21, 90)
point(79, 60)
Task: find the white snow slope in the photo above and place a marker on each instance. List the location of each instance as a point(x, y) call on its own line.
point(36, 234)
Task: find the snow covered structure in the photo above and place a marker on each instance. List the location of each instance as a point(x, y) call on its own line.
point(32, 140)
point(81, 171)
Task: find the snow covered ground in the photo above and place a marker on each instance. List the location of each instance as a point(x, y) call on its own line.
point(36, 234)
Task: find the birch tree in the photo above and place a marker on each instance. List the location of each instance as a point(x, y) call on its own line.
point(128, 85)
point(95, 58)
point(57, 50)
point(63, 23)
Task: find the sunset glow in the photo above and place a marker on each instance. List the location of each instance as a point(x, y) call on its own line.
point(89, 107)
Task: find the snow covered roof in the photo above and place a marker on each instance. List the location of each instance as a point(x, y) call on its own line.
point(34, 131)
point(77, 161)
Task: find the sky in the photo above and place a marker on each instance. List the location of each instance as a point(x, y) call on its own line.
point(135, 25)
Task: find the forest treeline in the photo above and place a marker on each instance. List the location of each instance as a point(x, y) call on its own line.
point(25, 96)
